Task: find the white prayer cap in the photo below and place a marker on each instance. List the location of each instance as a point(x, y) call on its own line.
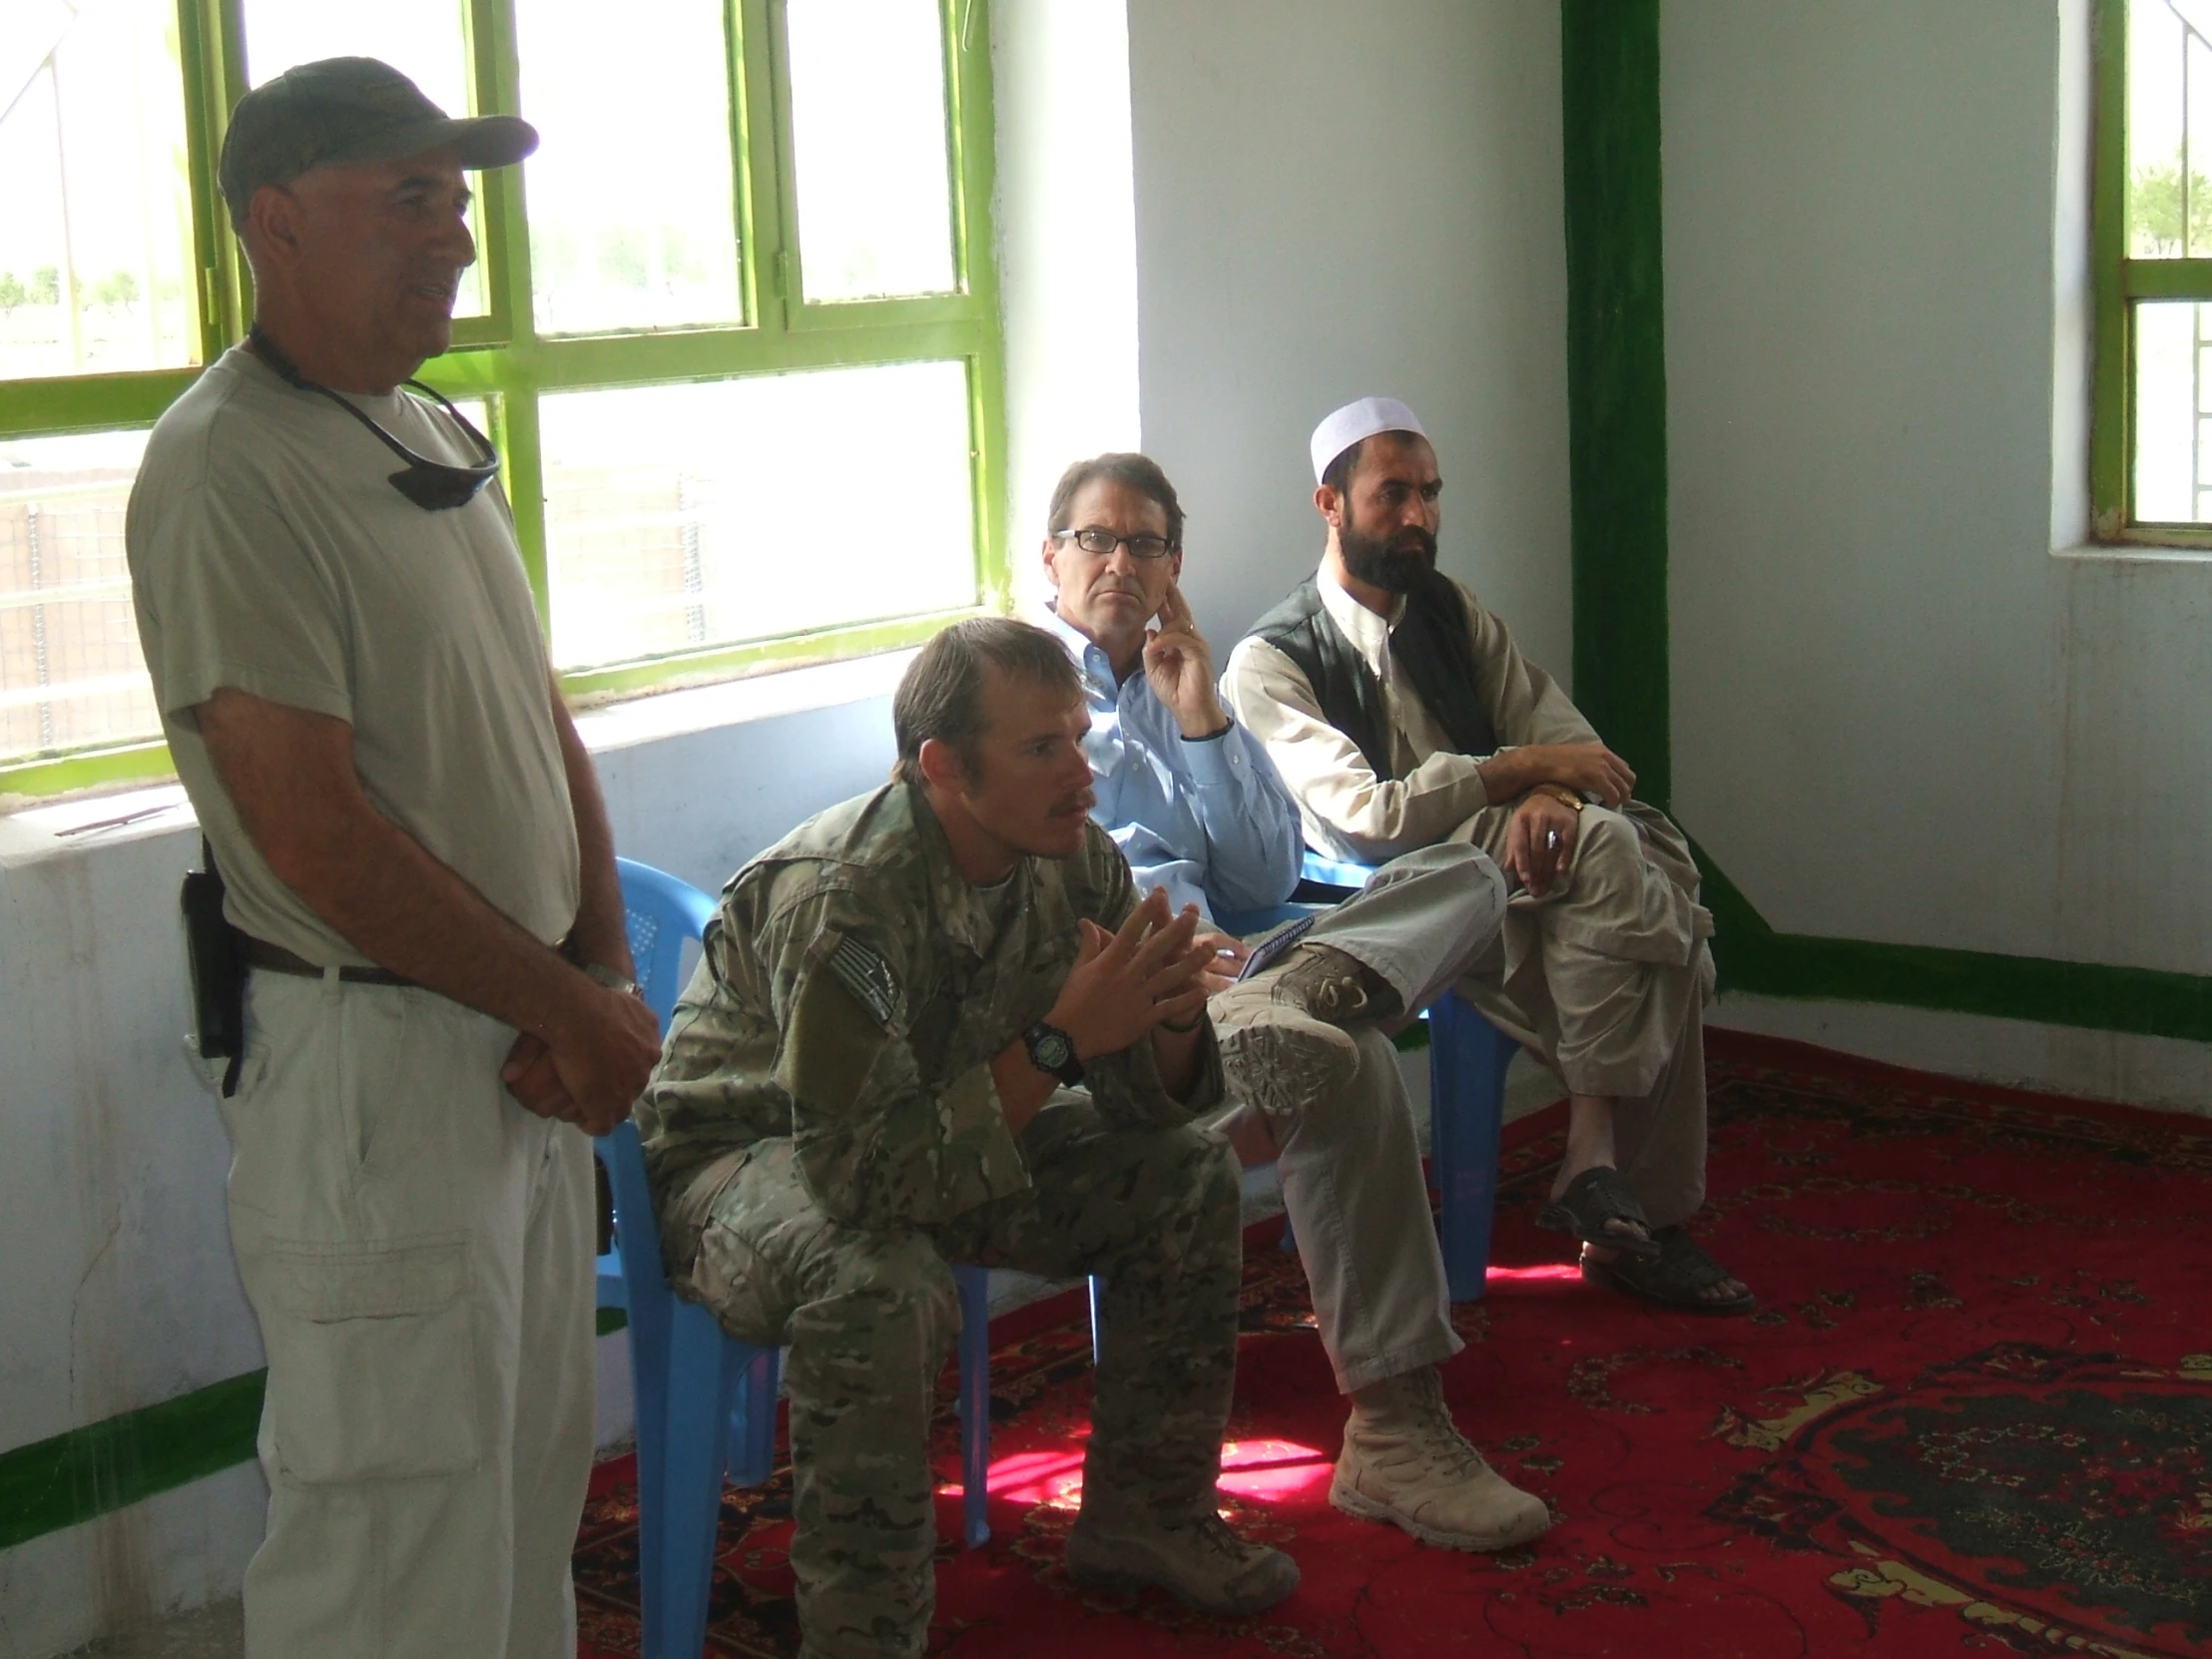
point(1357, 420)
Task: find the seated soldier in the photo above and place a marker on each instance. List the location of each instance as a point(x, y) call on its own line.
point(1401, 715)
point(870, 1077)
point(1196, 805)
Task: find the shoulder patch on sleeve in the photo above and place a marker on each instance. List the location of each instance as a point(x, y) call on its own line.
point(861, 970)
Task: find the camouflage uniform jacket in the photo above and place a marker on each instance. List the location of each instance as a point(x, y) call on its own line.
point(854, 990)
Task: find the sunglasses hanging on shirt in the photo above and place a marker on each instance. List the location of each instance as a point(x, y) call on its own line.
point(435, 487)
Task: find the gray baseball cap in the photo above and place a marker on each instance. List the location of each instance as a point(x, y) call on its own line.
point(341, 112)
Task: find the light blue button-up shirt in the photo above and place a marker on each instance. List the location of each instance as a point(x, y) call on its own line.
point(1210, 821)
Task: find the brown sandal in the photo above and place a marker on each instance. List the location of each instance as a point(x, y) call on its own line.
point(1676, 1280)
point(1595, 1197)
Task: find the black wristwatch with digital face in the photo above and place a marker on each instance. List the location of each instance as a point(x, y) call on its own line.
point(1052, 1052)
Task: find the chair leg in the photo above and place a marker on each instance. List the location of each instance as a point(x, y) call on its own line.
point(695, 1433)
point(753, 1415)
point(974, 1284)
point(1467, 1057)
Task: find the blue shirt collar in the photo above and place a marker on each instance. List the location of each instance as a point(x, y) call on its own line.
point(1089, 655)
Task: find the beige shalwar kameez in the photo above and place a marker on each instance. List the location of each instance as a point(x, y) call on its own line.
point(1605, 976)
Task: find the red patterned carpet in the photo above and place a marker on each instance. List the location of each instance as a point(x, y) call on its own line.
point(1973, 1415)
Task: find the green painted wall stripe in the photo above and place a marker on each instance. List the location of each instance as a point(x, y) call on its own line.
point(88, 1471)
point(1617, 378)
point(85, 1472)
point(1753, 957)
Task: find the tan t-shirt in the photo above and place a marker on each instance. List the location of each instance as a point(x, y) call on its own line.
point(270, 553)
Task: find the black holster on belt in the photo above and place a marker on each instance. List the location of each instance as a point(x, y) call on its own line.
point(216, 953)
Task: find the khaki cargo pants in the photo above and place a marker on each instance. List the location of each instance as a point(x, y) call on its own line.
point(418, 1250)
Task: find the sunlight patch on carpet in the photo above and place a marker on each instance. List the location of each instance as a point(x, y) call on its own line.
point(1259, 1471)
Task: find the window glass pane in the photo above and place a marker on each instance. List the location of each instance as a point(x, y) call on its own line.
point(632, 212)
point(679, 517)
point(2169, 128)
point(96, 261)
point(868, 133)
point(70, 669)
point(426, 40)
point(2173, 413)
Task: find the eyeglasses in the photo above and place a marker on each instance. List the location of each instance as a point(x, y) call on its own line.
point(435, 487)
point(1103, 542)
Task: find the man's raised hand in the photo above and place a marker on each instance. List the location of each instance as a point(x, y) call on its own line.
point(1179, 666)
point(1126, 982)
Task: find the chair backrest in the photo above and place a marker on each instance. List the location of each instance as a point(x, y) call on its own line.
point(660, 912)
point(662, 915)
point(1346, 878)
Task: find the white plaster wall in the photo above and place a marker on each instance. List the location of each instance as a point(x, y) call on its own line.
point(1898, 715)
point(1335, 199)
point(111, 1176)
point(1067, 252)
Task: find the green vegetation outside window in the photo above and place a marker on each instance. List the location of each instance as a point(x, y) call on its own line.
point(733, 327)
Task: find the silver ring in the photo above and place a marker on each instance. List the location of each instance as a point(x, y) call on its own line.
point(1551, 840)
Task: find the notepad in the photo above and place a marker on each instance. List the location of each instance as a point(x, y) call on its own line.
point(1271, 949)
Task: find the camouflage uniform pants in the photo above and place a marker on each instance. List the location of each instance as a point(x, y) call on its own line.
point(869, 1317)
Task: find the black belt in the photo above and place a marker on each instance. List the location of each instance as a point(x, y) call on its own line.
point(277, 960)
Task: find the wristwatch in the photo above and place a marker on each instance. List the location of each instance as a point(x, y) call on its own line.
point(1052, 1051)
point(598, 973)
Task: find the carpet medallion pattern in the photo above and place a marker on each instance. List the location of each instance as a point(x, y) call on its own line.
point(1973, 1415)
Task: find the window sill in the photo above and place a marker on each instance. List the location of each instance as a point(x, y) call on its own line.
point(2134, 552)
point(38, 828)
point(674, 714)
point(34, 829)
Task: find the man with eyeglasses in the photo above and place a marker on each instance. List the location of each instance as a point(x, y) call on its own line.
point(1403, 716)
point(1198, 810)
point(419, 872)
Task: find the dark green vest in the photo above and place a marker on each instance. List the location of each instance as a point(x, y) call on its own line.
point(1432, 645)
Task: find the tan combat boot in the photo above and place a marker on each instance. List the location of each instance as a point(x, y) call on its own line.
point(1201, 1562)
point(1404, 1462)
point(1283, 1040)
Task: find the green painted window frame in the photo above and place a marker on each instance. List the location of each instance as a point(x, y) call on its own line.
point(502, 356)
point(2119, 283)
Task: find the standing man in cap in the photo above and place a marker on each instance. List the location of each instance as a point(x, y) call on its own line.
point(1401, 715)
point(1195, 804)
point(352, 680)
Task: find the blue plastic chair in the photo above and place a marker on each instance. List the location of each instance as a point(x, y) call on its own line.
point(1467, 1059)
point(706, 1402)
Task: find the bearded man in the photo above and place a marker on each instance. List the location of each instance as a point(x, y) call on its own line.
point(1401, 715)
